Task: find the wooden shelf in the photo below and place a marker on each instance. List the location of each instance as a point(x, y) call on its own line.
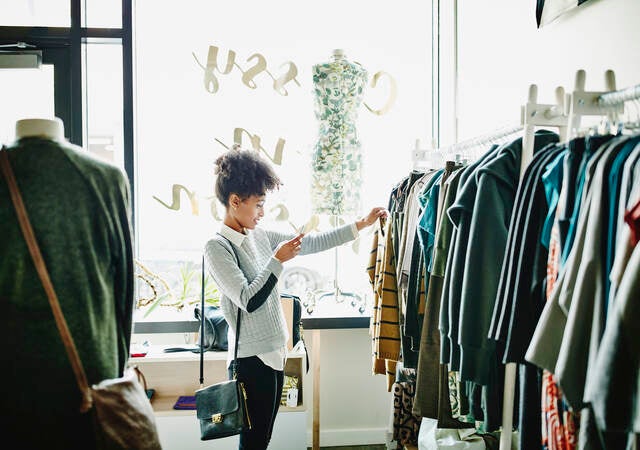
point(177, 373)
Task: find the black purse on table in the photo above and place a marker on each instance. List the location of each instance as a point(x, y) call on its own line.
point(221, 408)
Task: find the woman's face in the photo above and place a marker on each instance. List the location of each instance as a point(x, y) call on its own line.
point(250, 211)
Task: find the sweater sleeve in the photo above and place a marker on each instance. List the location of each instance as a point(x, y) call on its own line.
point(228, 275)
point(317, 242)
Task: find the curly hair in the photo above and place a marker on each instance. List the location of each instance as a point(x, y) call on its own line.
point(245, 173)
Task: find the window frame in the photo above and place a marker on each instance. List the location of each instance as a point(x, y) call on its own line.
point(62, 47)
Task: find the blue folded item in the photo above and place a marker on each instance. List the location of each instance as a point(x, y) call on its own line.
point(185, 402)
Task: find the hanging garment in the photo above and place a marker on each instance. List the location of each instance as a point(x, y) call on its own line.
point(582, 282)
point(405, 208)
point(516, 236)
point(591, 145)
point(629, 194)
point(384, 325)
point(632, 217)
point(617, 363)
point(612, 192)
point(432, 385)
point(421, 259)
point(497, 185)
point(522, 287)
point(526, 298)
point(409, 272)
point(427, 371)
point(459, 213)
point(614, 388)
point(406, 425)
point(559, 422)
point(581, 293)
point(545, 344)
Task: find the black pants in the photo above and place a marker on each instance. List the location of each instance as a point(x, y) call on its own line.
point(264, 389)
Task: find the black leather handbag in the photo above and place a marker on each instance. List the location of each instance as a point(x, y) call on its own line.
point(221, 408)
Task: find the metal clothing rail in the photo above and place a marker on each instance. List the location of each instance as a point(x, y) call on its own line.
point(484, 139)
point(462, 146)
point(621, 96)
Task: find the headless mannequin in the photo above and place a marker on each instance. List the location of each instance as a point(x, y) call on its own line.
point(336, 177)
point(52, 129)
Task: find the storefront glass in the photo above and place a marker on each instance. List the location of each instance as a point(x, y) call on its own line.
point(209, 74)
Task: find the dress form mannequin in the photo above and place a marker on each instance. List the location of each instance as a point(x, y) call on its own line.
point(336, 177)
point(337, 160)
point(52, 129)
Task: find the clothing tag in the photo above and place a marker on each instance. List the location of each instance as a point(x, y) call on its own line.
point(292, 397)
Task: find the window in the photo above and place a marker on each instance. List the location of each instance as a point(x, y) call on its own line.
point(15, 86)
point(182, 122)
point(187, 115)
point(102, 13)
point(41, 13)
point(103, 100)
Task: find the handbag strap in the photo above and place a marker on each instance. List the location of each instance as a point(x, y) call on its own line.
point(234, 364)
point(43, 273)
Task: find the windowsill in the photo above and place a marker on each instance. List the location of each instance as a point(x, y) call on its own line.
point(156, 354)
point(326, 323)
point(308, 323)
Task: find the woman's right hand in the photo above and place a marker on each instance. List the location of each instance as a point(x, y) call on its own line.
point(289, 249)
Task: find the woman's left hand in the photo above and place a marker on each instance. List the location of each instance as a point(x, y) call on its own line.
point(371, 218)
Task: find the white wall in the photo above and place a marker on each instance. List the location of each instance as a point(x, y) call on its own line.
point(355, 407)
point(501, 52)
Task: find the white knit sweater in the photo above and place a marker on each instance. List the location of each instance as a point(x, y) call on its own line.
point(264, 330)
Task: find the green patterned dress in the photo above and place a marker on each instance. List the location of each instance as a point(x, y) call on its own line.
point(337, 160)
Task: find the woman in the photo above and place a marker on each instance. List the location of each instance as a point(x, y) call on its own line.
point(245, 262)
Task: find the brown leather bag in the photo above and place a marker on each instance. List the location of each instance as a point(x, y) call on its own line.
point(123, 415)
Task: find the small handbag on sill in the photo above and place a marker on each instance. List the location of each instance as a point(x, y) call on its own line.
point(215, 329)
point(122, 413)
point(221, 408)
